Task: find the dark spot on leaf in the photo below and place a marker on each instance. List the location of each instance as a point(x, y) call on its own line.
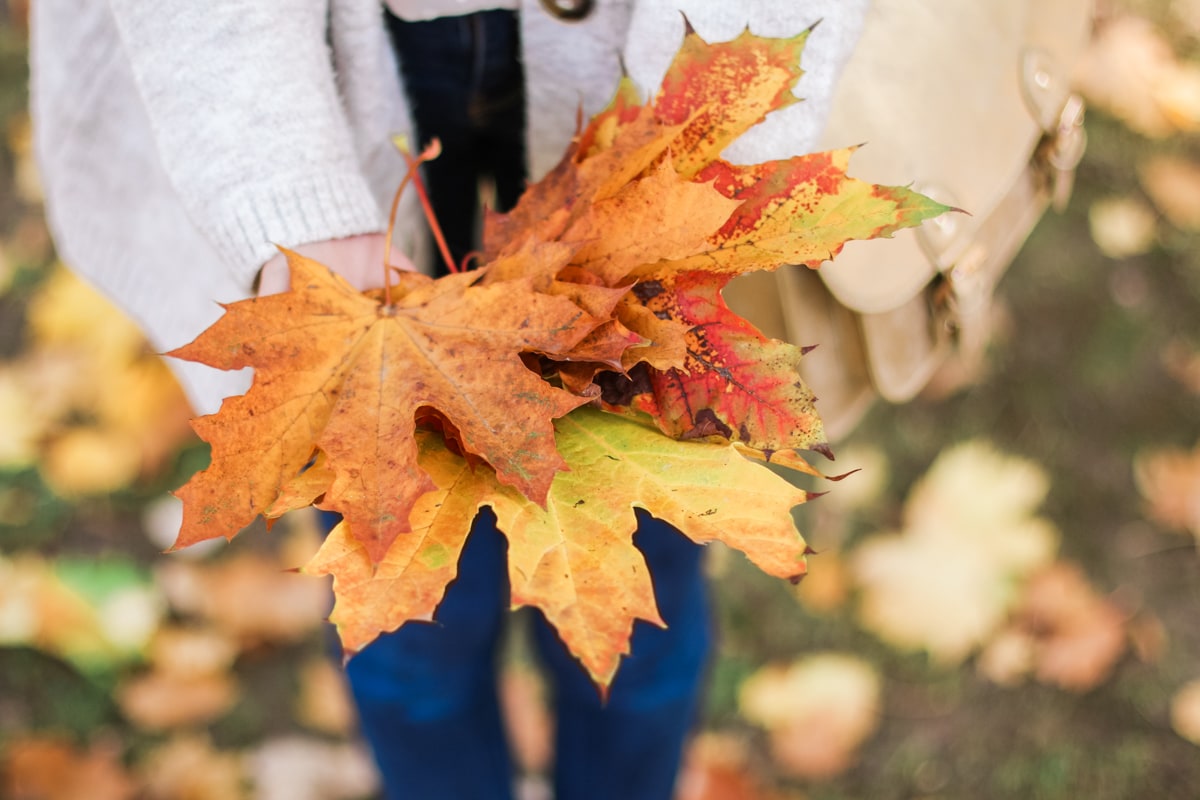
point(647, 290)
point(707, 423)
point(619, 390)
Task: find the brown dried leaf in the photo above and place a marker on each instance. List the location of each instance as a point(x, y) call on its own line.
point(1169, 482)
point(1078, 635)
point(717, 767)
point(1173, 183)
point(159, 700)
point(324, 703)
point(249, 597)
point(51, 769)
point(1131, 71)
point(190, 768)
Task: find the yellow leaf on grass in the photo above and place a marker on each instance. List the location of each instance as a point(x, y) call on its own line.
point(1185, 711)
point(1169, 481)
point(190, 768)
point(1173, 183)
point(1122, 226)
point(947, 581)
point(23, 424)
point(818, 711)
point(158, 701)
point(91, 460)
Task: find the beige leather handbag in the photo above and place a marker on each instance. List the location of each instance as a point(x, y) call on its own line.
point(970, 102)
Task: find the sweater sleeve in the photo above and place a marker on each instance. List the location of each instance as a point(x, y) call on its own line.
point(248, 122)
point(788, 132)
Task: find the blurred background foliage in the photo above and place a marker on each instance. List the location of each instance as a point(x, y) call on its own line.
point(1005, 603)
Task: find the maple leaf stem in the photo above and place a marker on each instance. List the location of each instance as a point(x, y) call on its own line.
point(387, 240)
point(432, 151)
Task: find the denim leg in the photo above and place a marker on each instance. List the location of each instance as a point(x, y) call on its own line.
point(426, 694)
point(464, 80)
point(631, 746)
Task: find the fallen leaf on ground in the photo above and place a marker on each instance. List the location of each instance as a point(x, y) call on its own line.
point(157, 700)
point(23, 424)
point(1078, 635)
point(106, 410)
point(88, 460)
point(45, 604)
point(818, 711)
point(1148, 637)
point(826, 587)
point(1185, 711)
point(250, 597)
point(1173, 183)
point(1122, 226)
point(717, 767)
point(52, 769)
point(299, 768)
point(8, 271)
point(190, 768)
point(1182, 362)
point(1131, 71)
point(947, 581)
point(1008, 658)
point(191, 652)
point(324, 703)
point(1168, 479)
point(66, 312)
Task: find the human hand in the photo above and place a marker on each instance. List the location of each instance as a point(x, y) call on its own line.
point(358, 259)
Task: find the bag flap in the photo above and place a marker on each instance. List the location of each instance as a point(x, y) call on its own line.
point(954, 96)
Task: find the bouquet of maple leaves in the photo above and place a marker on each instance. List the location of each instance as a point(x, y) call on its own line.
point(587, 368)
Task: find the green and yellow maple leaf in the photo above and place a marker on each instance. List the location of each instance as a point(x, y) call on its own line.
point(574, 558)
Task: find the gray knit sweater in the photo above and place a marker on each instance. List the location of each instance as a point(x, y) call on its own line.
point(180, 142)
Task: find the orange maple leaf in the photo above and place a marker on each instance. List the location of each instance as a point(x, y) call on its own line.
point(344, 373)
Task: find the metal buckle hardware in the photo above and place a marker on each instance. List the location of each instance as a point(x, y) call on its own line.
point(568, 10)
point(1062, 151)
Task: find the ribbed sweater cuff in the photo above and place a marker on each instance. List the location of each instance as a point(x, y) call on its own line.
point(308, 209)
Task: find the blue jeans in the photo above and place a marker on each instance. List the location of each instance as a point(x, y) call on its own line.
point(466, 87)
point(426, 694)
